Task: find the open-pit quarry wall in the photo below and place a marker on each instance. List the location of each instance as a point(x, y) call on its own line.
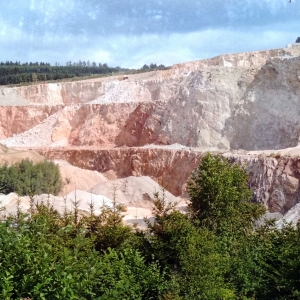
point(273, 178)
point(246, 101)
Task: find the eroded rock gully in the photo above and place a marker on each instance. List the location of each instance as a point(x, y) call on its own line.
point(160, 123)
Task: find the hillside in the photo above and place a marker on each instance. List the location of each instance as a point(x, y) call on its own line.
point(159, 123)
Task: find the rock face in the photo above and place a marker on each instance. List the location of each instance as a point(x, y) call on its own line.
point(18, 119)
point(170, 168)
point(274, 180)
point(247, 101)
point(237, 101)
point(267, 114)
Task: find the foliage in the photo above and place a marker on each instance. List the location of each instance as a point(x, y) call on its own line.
point(43, 259)
point(190, 254)
point(213, 252)
point(262, 263)
point(267, 264)
point(220, 197)
point(26, 178)
point(15, 72)
point(108, 229)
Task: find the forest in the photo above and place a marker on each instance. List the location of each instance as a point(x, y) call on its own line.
point(216, 250)
point(22, 73)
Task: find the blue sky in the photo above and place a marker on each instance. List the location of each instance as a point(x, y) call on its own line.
point(133, 32)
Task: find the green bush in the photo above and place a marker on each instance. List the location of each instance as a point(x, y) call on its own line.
point(212, 252)
point(44, 257)
point(196, 266)
point(220, 197)
point(26, 178)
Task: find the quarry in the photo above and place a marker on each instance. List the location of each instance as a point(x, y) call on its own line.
point(152, 129)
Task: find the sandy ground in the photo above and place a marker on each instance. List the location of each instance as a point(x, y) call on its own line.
point(86, 186)
point(78, 179)
point(135, 193)
point(11, 156)
point(82, 198)
point(133, 216)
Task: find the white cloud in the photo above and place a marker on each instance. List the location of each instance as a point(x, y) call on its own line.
point(178, 47)
point(136, 50)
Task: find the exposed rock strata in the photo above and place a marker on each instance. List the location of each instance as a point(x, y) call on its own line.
point(275, 181)
point(238, 101)
point(164, 166)
point(18, 119)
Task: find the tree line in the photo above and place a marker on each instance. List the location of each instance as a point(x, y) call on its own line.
point(16, 72)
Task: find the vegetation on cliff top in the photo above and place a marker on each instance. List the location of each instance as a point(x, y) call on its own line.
point(212, 252)
point(16, 73)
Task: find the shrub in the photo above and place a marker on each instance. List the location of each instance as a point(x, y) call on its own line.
point(220, 196)
point(190, 254)
point(40, 258)
point(26, 178)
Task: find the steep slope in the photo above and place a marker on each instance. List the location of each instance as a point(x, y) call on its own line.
point(274, 177)
point(267, 116)
point(246, 101)
point(159, 124)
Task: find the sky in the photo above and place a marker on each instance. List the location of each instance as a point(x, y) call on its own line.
point(131, 33)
